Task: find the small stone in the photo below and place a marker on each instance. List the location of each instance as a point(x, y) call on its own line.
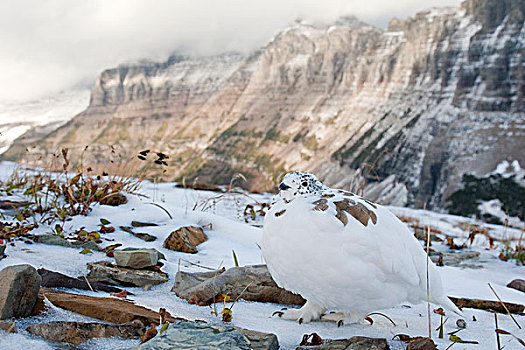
point(142, 224)
point(51, 279)
point(185, 239)
point(19, 286)
point(517, 284)
point(461, 323)
point(422, 344)
point(260, 340)
point(136, 259)
point(354, 343)
point(106, 272)
point(57, 240)
point(78, 332)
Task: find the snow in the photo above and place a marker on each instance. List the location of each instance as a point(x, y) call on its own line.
point(16, 118)
point(228, 232)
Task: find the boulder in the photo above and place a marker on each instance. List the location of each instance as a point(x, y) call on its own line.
point(197, 335)
point(8, 327)
point(185, 239)
point(354, 343)
point(53, 279)
point(252, 283)
point(19, 286)
point(517, 284)
point(105, 272)
point(78, 332)
point(136, 258)
point(106, 309)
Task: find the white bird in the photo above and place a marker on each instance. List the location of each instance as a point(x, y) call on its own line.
point(343, 253)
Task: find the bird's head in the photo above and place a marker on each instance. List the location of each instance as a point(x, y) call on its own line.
point(299, 183)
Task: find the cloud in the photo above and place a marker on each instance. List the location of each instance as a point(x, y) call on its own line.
point(48, 46)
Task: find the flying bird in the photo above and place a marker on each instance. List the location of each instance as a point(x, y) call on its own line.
point(343, 253)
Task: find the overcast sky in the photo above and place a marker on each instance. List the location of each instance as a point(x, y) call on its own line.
point(50, 45)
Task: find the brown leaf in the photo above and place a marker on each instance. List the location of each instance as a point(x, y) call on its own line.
point(121, 294)
point(439, 311)
point(150, 333)
point(316, 340)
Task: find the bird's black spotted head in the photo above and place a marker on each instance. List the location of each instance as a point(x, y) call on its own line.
point(299, 183)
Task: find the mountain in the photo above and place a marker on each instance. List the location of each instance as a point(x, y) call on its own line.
point(403, 113)
point(40, 116)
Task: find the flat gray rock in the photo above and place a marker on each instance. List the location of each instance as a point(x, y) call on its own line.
point(56, 240)
point(136, 258)
point(252, 283)
point(78, 332)
point(197, 335)
point(108, 273)
point(354, 343)
point(19, 286)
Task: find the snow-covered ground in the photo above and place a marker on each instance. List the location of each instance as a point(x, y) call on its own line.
point(228, 232)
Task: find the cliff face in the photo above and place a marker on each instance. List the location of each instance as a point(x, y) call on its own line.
point(420, 104)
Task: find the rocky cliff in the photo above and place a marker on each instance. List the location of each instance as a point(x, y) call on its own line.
point(406, 111)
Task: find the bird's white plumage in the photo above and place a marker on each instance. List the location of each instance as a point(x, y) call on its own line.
point(364, 261)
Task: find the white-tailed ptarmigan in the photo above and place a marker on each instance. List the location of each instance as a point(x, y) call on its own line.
point(343, 253)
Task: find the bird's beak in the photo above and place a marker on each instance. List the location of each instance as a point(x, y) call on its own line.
point(283, 186)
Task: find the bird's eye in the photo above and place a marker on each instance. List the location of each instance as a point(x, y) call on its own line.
point(304, 183)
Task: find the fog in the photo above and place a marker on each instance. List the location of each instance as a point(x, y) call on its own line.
point(52, 45)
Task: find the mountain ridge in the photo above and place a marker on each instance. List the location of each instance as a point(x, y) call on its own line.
point(420, 104)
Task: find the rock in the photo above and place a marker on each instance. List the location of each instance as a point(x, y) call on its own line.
point(105, 272)
point(487, 305)
point(2, 251)
point(40, 305)
point(260, 340)
point(51, 279)
point(185, 239)
point(354, 343)
point(203, 288)
point(160, 255)
point(455, 258)
point(422, 344)
point(200, 186)
point(8, 327)
point(136, 258)
point(144, 236)
point(517, 284)
point(78, 332)
point(19, 286)
point(57, 240)
point(197, 335)
point(142, 224)
point(106, 309)
point(9, 204)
